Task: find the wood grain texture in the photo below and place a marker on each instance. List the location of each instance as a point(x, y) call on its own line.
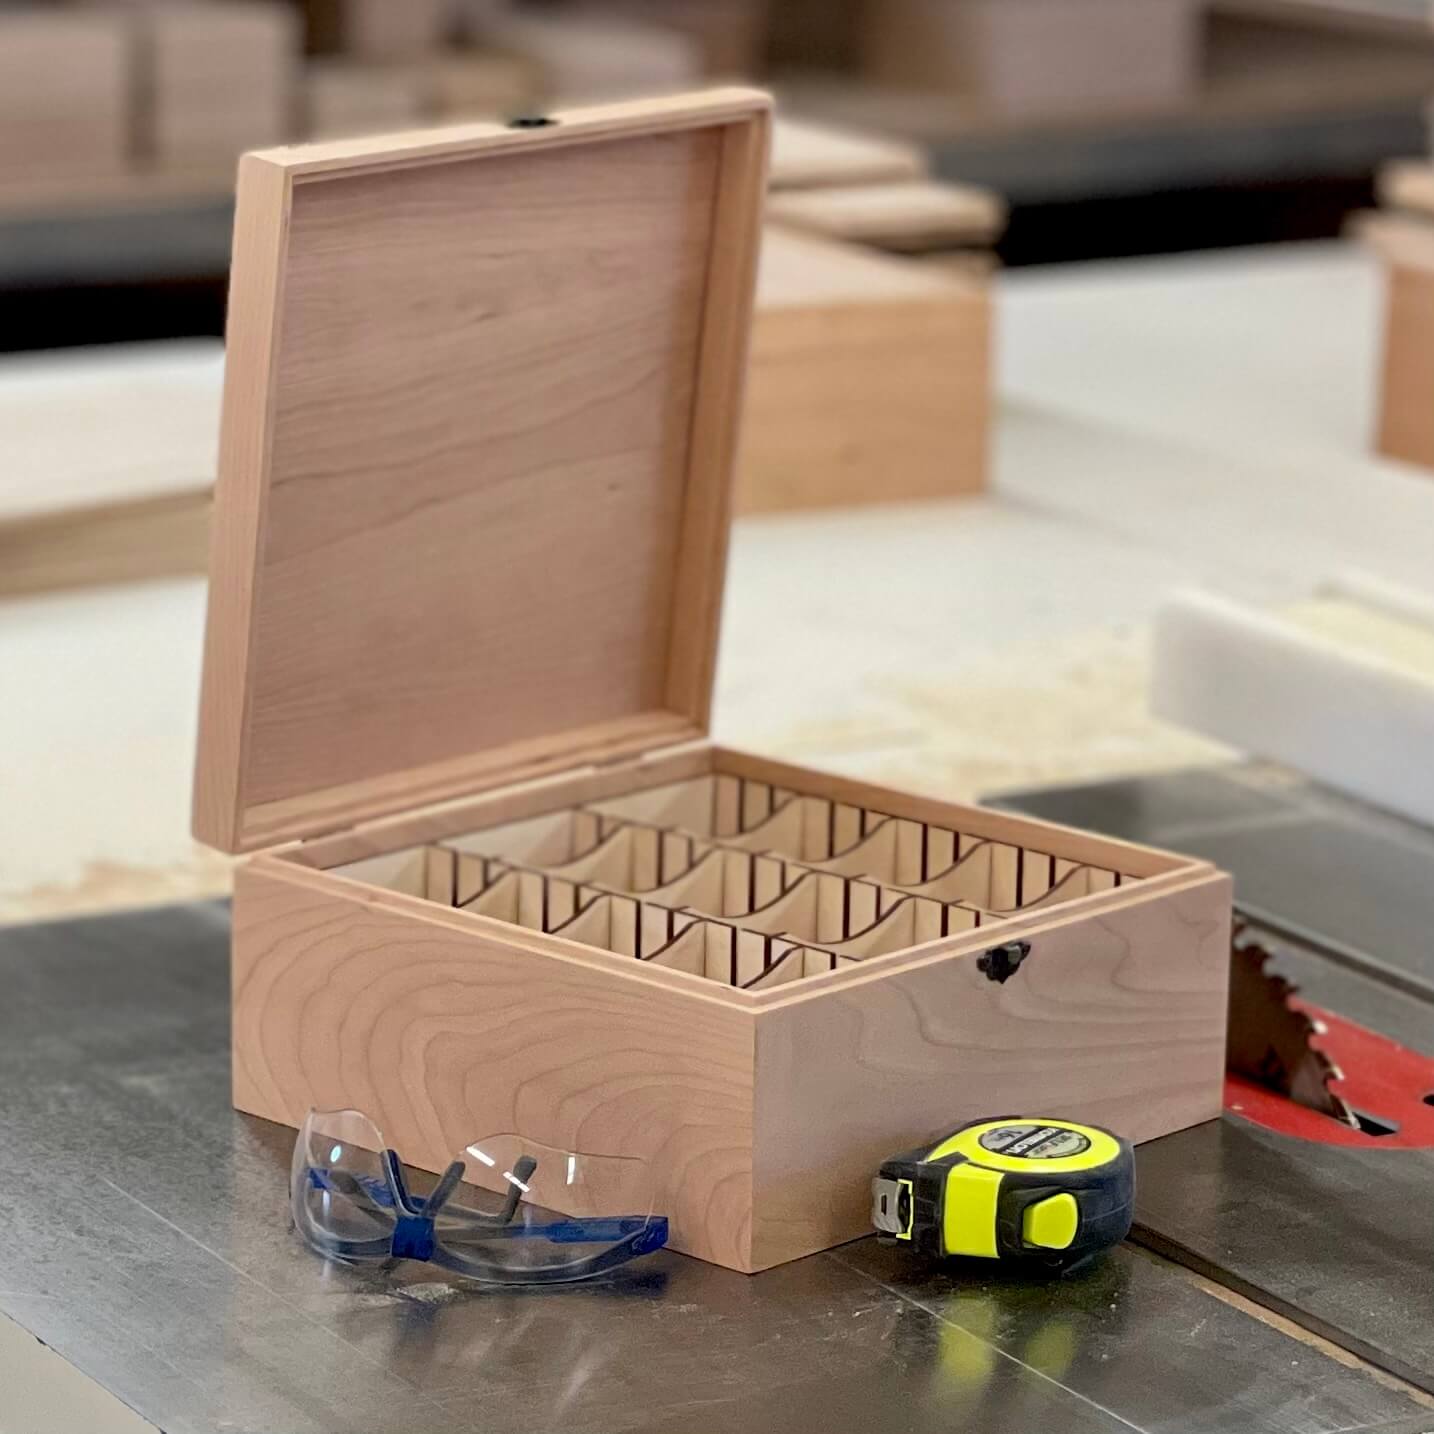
point(912, 215)
point(473, 494)
point(1118, 1019)
point(807, 155)
point(65, 94)
point(1406, 401)
point(447, 1036)
point(870, 380)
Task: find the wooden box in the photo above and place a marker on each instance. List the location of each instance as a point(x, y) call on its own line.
point(870, 379)
point(220, 79)
point(65, 94)
point(475, 465)
point(1029, 58)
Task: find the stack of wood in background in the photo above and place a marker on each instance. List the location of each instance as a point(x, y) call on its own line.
point(64, 94)
point(215, 79)
point(1023, 58)
point(99, 90)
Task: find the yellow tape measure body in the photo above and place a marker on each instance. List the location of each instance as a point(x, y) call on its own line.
point(1014, 1188)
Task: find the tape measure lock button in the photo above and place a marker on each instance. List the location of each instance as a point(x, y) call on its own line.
point(1051, 1224)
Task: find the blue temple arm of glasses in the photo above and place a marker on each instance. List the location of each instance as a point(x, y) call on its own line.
point(652, 1236)
point(560, 1232)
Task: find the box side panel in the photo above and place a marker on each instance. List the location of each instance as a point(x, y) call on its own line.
point(1117, 1018)
point(445, 1036)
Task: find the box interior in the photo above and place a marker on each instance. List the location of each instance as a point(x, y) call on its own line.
point(738, 880)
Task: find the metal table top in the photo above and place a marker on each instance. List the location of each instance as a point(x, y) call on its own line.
point(148, 1243)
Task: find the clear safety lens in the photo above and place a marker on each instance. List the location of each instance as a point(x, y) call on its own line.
point(338, 1190)
point(527, 1208)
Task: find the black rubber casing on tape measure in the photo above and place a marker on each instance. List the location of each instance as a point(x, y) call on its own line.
point(992, 1225)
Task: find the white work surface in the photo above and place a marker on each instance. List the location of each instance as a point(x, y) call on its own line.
point(1193, 420)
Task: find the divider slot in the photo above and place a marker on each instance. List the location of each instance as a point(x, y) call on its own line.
point(798, 963)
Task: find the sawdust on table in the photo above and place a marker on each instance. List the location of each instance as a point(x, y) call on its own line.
point(110, 886)
point(1044, 714)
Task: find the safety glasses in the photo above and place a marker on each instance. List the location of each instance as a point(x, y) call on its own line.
point(506, 1210)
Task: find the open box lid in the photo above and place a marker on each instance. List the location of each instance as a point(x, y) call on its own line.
point(480, 410)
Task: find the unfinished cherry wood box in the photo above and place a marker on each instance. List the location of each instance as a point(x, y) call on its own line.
point(471, 521)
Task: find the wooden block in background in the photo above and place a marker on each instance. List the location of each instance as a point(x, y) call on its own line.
point(1406, 399)
point(478, 84)
point(812, 156)
point(1029, 58)
point(342, 98)
point(1408, 184)
point(380, 31)
point(869, 380)
point(914, 215)
point(221, 78)
point(65, 93)
point(582, 54)
point(108, 465)
point(731, 35)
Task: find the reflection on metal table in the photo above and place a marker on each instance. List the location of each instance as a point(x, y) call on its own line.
point(149, 1245)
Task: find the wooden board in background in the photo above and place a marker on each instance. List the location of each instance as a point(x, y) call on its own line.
point(1034, 57)
point(107, 472)
point(583, 56)
point(807, 155)
point(869, 381)
point(65, 94)
point(913, 215)
point(218, 79)
point(344, 98)
point(1405, 243)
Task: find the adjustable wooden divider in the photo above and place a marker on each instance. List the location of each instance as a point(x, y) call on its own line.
point(742, 881)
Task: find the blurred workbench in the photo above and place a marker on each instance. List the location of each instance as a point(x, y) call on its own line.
point(1292, 93)
point(1194, 420)
point(1197, 420)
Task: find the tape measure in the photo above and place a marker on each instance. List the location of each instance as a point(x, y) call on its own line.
point(1010, 1189)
